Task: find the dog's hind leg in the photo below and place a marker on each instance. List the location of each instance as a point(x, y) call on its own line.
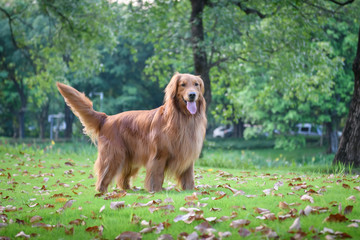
point(123, 180)
point(106, 170)
point(155, 174)
point(186, 179)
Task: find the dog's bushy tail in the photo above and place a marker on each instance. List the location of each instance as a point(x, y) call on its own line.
point(82, 107)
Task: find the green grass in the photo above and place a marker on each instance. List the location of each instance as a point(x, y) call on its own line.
point(67, 167)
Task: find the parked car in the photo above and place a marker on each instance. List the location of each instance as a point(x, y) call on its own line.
point(308, 129)
point(223, 131)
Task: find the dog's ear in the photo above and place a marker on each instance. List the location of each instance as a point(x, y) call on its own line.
point(202, 87)
point(171, 88)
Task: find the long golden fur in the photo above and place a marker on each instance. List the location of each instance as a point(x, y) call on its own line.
point(167, 139)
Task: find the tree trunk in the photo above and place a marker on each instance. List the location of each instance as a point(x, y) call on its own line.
point(331, 135)
point(43, 119)
point(69, 119)
point(349, 149)
point(197, 41)
point(239, 129)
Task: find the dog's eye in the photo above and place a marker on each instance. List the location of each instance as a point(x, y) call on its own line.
point(183, 84)
point(196, 84)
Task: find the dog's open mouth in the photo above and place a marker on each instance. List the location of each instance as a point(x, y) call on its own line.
point(191, 106)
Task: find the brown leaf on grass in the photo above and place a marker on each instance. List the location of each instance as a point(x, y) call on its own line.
point(239, 223)
point(233, 190)
point(261, 210)
point(357, 188)
point(192, 197)
point(22, 234)
point(342, 235)
point(150, 203)
point(129, 236)
point(243, 232)
point(348, 209)
point(69, 231)
point(171, 208)
point(266, 231)
point(336, 218)
point(115, 195)
point(57, 195)
point(68, 204)
point(267, 191)
point(48, 206)
point(117, 205)
point(346, 186)
point(61, 199)
point(77, 222)
point(148, 230)
point(168, 200)
point(283, 205)
point(224, 234)
point(4, 238)
point(354, 225)
point(221, 195)
point(214, 209)
point(35, 219)
point(351, 198)
point(307, 198)
point(91, 176)
point(20, 222)
point(44, 226)
point(308, 209)
point(32, 205)
point(269, 216)
point(69, 164)
point(204, 227)
point(296, 225)
point(95, 229)
point(165, 237)
point(102, 209)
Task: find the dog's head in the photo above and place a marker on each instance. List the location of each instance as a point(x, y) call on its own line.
point(186, 91)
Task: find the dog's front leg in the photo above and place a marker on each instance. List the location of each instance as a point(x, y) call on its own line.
point(186, 179)
point(155, 174)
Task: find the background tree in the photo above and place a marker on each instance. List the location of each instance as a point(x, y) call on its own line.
point(48, 40)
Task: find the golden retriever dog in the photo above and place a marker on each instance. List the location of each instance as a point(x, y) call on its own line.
point(167, 139)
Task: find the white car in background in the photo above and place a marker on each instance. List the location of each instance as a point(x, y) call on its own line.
point(223, 131)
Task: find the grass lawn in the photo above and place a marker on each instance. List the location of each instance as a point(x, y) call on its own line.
point(48, 192)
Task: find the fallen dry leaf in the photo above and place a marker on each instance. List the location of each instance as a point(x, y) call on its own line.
point(165, 237)
point(296, 225)
point(224, 234)
point(351, 198)
point(348, 209)
point(102, 209)
point(283, 205)
point(117, 205)
point(35, 219)
point(22, 234)
point(354, 225)
point(243, 232)
point(44, 226)
point(204, 227)
point(129, 236)
point(239, 223)
point(336, 218)
point(307, 198)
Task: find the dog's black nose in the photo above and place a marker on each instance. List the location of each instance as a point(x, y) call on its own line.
point(192, 96)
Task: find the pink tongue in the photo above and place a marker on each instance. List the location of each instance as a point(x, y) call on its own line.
point(191, 106)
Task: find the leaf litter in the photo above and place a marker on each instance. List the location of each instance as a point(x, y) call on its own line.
point(231, 207)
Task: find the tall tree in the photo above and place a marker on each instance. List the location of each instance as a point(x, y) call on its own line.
point(55, 38)
point(349, 149)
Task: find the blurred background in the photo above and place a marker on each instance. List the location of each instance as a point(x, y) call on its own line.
point(278, 74)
